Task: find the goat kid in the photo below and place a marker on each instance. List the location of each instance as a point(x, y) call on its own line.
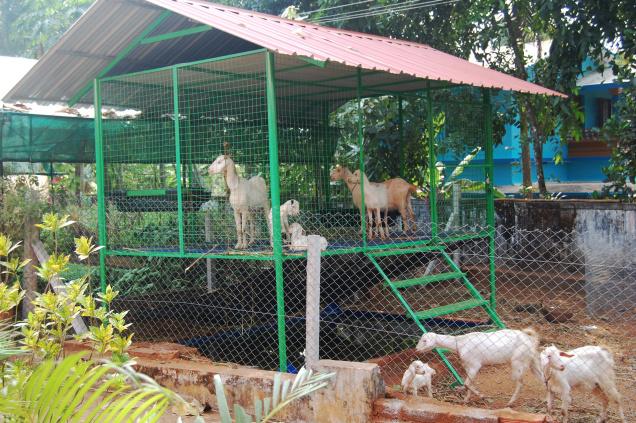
point(299, 240)
point(289, 208)
point(476, 349)
point(590, 368)
point(416, 376)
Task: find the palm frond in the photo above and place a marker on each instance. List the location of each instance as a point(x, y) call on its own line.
point(78, 390)
point(305, 383)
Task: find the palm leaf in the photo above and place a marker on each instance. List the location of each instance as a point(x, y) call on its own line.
point(305, 383)
point(78, 390)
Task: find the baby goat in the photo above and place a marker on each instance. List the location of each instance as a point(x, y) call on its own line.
point(289, 208)
point(299, 241)
point(476, 349)
point(417, 375)
point(590, 368)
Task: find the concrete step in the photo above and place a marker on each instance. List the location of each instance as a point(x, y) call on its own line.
point(425, 410)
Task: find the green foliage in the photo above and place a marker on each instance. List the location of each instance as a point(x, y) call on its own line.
point(30, 27)
point(79, 390)
point(21, 199)
point(621, 129)
point(305, 383)
point(154, 274)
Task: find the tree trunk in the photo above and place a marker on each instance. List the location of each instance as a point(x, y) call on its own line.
point(30, 279)
point(78, 183)
point(538, 162)
point(526, 165)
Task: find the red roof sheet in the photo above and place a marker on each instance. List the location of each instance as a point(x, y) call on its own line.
point(350, 48)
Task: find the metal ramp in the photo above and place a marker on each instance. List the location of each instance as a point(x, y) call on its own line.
point(455, 273)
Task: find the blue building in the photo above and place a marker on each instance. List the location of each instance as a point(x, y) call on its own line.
point(583, 160)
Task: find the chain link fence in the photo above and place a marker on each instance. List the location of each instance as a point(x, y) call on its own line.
point(545, 279)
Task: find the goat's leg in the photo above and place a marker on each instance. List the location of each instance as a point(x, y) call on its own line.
point(429, 388)
point(613, 395)
point(548, 400)
point(471, 373)
point(566, 400)
point(411, 213)
point(239, 229)
point(378, 223)
point(517, 376)
point(369, 224)
point(405, 221)
point(386, 222)
point(245, 227)
point(252, 224)
point(598, 393)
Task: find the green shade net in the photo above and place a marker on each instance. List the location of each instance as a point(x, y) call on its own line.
point(46, 139)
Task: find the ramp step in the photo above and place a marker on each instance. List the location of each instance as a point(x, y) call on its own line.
point(401, 251)
point(450, 308)
point(425, 280)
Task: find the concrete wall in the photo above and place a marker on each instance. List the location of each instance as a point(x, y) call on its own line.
point(593, 238)
point(349, 397)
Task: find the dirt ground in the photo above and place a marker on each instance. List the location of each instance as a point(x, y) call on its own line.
point(520, 298)
point(517, 303)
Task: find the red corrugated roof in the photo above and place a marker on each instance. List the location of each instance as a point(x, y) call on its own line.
point(350, 48)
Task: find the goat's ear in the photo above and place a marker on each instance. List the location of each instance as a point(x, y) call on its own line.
point(564, 354)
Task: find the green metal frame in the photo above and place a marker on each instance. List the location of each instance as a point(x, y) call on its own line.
point(432, 174)
point(99, 170)
point(176, 34)
point(177, 147)
point(490, 196)
point(278, 256)
point(272, 126)
point(363, 213)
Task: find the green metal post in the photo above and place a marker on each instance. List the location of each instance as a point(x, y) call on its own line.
point(272, 130)
point(401, 129)
point(490, 198)
point(99, 170)
point(177, 146)
point(431, 161)
point(326, 181)
point(363, 213)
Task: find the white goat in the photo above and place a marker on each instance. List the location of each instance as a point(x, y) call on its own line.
point(245, 196)
point(289, 208)
point(417, 375)
point(590, 368)
point(476, 349)
point(376, 200)
point(299, 241)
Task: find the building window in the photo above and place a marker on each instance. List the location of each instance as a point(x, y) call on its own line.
point(604, 111)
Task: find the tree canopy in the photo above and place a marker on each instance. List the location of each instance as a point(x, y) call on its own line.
point(492, 31)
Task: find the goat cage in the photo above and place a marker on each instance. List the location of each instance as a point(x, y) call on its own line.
point(191, 269)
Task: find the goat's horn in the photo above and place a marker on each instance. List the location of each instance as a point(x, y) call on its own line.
point(226, 148)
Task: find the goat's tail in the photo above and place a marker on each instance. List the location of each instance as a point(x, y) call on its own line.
point(534, 336)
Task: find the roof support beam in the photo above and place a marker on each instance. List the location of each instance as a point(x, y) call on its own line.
point(120, 56)
point(315, 62)
point(176, 34)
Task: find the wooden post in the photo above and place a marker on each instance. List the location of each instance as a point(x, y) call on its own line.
point(312, 330)
point(30, 279)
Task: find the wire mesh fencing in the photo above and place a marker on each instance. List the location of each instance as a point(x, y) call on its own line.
point(544, 279)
